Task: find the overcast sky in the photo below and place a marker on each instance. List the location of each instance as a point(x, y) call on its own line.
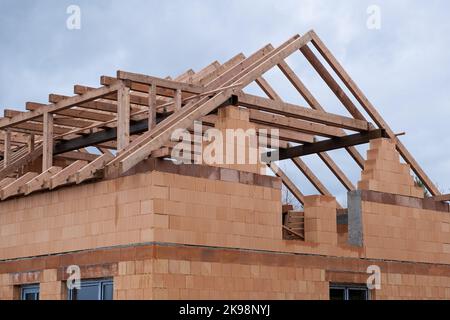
point(403, 67)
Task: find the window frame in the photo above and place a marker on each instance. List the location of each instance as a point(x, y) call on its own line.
point(99, 283)
point(29, 289)
point(348, 287)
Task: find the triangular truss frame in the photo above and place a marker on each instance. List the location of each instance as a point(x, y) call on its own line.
point(131, 117)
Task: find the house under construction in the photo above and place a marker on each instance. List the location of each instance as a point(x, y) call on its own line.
point(89, 182)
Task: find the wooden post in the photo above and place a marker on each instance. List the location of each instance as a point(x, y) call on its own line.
point(177, 100)
point(47, 157)
point(123, 117)
point(152, 107)
point(31, 142)
point(7, 150)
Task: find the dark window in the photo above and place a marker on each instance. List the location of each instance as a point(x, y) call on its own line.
point(93, 290)
point(29, 292)
point(348, 292)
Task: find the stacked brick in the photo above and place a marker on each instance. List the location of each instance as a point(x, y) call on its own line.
point(320, 219)
point(243, 152)
point(184, 279)
point(383, 171)
point(406, 233)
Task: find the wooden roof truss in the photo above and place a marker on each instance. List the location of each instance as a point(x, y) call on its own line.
point(130, 117)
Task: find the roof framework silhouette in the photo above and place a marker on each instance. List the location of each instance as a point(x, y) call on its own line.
point(131, 117)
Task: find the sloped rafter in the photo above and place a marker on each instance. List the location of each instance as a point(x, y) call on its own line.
point(287, 110)
point(373, 113)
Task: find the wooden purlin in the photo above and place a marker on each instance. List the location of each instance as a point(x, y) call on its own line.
point(64, 104)
point(372, 112)
point(74, 113)
point(244, 77)
point(298, 112)
point(70, 122)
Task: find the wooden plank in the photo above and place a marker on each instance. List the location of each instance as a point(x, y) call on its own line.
point(74, 112)
point(152, 107)
point(185, 76)
point(293, 232)
point(162, 93)
point(338, 173)
point(123, 118)
point(93, 105)
point(7, 152)
point(134, 99)
point(31, 142)
point(309, 174)
point(373, 113)
point(89, 171)
point(14, 188)
point(4, 182)
point(64, 104)
point(297, 161)
point(41, 181)
point(209, 69)
point(313, 103)
point(332, 84)
point(177, 120)
point(76, 155)
point(58, 120)
point(62, 177)
point(291, 110)
point(258, 68)
point(177, 100)
point(222, 69)
point(294, 124)
point(168, 84)
point(268, 90)
point(37, 128)
point(47, 160)
point(287, 182)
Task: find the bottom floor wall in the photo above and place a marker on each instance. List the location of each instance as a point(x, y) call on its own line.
point(170, 271)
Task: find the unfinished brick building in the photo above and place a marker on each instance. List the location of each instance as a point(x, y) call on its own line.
point(142, 227)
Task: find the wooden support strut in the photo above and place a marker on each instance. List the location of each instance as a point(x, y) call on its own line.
point(123, 117)
point(47, 160)
point(152, 106)
point(7, 151)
